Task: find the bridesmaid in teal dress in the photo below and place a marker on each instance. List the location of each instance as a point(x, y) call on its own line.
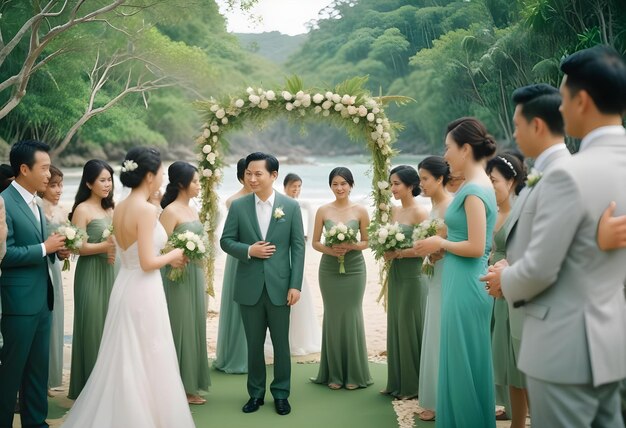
point(465, 394)
point(507, 175)
point(434, 174)
point(95, 273)
point(343, 361)
point(231, 354)
point(54, 218)
point(185, 298)
point(404, 296)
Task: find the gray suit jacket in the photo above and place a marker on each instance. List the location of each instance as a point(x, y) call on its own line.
point(575, 307)
point(519, 228)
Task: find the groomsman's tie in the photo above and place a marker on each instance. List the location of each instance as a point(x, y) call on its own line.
point(34, 208)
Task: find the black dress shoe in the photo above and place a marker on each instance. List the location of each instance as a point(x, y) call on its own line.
point(252, 405)
point(282, 406)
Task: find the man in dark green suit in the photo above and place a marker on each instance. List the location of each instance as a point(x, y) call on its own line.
point(264, 232)
point(26, 289)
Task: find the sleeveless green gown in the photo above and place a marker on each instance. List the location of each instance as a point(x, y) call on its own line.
point(55, 364)
point(187, 311)
point(465, 394)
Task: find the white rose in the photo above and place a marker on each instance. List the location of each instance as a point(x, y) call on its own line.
point(214, 138)
point(383, 207)
point(326, 113)
point(341, 236)
point(218, 173)
point(206, 133)
point(289, 106)
point(306, 100)
point(317, 109)
point(239, 103)
point(210, 158)
point(224, 120)
point(384, 217)
point(318, 98)
point(264, 104)
point(339, 107)
point(345, 99)
point(299, 95)
point(287, 96)
point(329, 95)
point(379, 129)
point(332, 232)
point(106, 233)
point(207, 173)
point(362, 111)
point(70, 233)
point(297, 103)
point(215, 129)
point(214, 108)
point(270, 95)
point(336, 98)
point(370, 117)
point(370, 103)
point(400, 237)
point(375, 110)
point(190, 246)
point(254, 99)
point(249, 90)
point(207, 149)
point(327, 104)
point(383, 233)
point(386, 136)
point(381, 240)
point(375, 135)
point(352, 110)
point(382, 185)
point(220, 113)
point(342, 228)
point(356, 119)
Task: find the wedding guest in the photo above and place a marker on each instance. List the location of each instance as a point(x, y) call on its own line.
point(465, 391)
point(136, 380)
point(185, 298)
point(95, 272)
point(231, 353)
point(343, 362)
point(292, 185)
point(6, 176)
point(27, 296)
point(567, 287)
point(404, 294)
point(55, 217)
point(434, 174)
point(508, 178)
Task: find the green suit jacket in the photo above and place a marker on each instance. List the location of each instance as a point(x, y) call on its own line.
point(25, 285)
point(280, 272)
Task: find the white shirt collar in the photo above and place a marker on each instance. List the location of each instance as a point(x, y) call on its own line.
point(26, 195)
point(603, 130)
point(541, 159)
point(269, 200)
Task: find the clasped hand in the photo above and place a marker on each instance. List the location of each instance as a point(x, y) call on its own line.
point(54, 243)
point(493, 278)
point(262, 250)
point(427, 246)
point(180, 259)
point(339, 250)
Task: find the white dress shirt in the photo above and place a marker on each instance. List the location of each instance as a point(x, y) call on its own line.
point(541, 159)
point(264, 212)
point(31, 201)
point(603, 130)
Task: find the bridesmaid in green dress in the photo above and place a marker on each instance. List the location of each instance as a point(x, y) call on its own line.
point(343, 361)
point(95, 273)
point(231, 354)
point(54, 218)
point(185, 299)
point(507, 175)
point(434, 174)
point(465, 392)
point(404, 296)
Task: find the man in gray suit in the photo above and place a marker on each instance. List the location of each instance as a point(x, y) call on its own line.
point(574, 347)
point(540, 135)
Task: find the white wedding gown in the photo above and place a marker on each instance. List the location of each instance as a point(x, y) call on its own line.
point(136, 380)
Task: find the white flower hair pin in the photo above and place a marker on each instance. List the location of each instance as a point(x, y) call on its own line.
point(129, 165)
point(279, 213)
point(534, 177)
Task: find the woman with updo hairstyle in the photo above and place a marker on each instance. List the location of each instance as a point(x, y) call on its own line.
point(406, 296)
point(231, 352)
point(343, 361)
point(95, 271)
point(508, 178)
point(434, 176)
point(185, 298)
point(136, 380)
point(465, 389)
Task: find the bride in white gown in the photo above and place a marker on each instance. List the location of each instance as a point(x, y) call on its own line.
point(136, 381)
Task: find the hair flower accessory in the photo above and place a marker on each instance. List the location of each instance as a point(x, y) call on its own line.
point(129, 165)
point(279, 213)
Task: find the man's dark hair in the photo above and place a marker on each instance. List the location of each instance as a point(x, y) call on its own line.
point(541, 101)
point(271, 163)
point(23, 152)
point(601, 72)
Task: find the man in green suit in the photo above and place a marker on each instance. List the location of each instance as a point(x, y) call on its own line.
point(26, 289)
point(264, 232)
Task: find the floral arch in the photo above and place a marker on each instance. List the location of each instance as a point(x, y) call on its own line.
point(348, 105)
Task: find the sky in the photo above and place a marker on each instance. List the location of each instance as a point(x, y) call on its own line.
point(286, 16)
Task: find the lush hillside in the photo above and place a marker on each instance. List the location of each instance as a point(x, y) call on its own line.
point(274, 46)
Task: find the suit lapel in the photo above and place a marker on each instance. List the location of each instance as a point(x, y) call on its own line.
point(253, 218)
point(22, 205)
point(516, 211)
point(272, 218)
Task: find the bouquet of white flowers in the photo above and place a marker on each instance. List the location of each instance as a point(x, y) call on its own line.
point(386, 237)
point(193, 246)
point(340, 234)
point(74, 238)
point(106, 233)
point(424, 230)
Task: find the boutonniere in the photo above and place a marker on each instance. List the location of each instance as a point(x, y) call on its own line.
point(534, 177)
point(279, 213)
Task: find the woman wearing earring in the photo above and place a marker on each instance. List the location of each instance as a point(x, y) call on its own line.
point(94, 275)
point(185, 298)
point(434, 174)
point(231, 354)
point(465, 390)
point(404, 317)
point(343, 362)
point(508, 178)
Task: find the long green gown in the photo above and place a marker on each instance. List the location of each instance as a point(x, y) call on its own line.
point(231, 354)
point(429, 361)
point(343, 360)
point(93, 282)
point(505, 371)
point(465, 394)
point(187, 310)
point(55, 365)
point(404, 324)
